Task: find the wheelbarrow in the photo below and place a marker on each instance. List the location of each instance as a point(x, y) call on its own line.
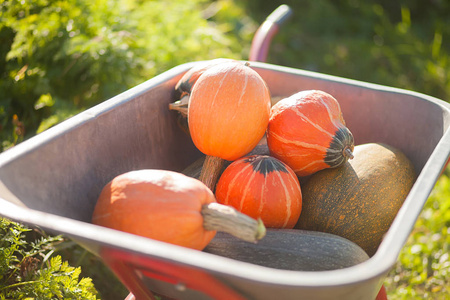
point(53, 181)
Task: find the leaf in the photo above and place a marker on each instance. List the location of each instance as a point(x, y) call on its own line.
point(43, 101)
point(55, 263)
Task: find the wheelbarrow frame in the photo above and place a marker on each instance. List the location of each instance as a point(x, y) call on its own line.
point(52, 181)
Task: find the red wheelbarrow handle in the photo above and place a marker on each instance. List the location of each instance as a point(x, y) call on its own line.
point(263, 36)
point(131, 268)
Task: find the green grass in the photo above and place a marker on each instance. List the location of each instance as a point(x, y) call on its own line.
point(30, 269)
point(423, 268)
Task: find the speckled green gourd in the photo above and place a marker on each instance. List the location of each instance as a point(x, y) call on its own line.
point(359, 200)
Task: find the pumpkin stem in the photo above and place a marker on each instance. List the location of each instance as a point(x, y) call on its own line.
point(212, 166)
point(227, 219)
point(348, 153)
point(181, 105)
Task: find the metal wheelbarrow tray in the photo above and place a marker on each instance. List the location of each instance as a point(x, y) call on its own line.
point(53, 180)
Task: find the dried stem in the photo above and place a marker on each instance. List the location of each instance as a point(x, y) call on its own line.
point(225, 218)
point(212, 167)
point(348, 153)
point(181, 106)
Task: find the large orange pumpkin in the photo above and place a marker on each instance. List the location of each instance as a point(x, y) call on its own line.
point(169, 207)
point(262, 186)
point(228, 113)
point(307, 131)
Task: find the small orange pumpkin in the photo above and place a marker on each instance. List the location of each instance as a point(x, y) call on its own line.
point(262, 186)
point(185, 84)
point(187, 81)
point(169, 207)
point(307, 131)
point(228, 114)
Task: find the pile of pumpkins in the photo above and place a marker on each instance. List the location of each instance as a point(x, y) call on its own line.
point(309, 175)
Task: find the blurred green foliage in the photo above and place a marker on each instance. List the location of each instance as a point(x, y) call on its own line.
point(403, 44)
point(28, 270)
point(58, 58)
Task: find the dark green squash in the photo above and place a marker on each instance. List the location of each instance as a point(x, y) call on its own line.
point(290, 249)
point(359, 200)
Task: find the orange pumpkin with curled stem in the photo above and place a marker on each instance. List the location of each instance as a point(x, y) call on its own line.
point(228, 114)
point(307, 131)
point(262, 186)
point(186, 83)
point(169, 207)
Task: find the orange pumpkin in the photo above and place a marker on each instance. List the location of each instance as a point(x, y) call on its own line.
point(185, 84)
point(262, 186)
point(228, 114)
point(307, 131)
point(169, 207)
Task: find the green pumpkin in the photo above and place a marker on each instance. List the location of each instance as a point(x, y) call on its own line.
point(359, 200)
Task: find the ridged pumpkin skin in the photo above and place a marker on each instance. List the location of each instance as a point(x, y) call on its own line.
point(157, 204)
point(262, 187)
point(228, 111)
point(187, 81)
point(307, 131)
point(359, 200)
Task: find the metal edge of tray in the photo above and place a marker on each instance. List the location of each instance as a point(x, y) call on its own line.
point(375, 267)
point(96, 237)
point(89, 114)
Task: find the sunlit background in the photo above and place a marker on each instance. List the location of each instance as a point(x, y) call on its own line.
point(58, 58)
